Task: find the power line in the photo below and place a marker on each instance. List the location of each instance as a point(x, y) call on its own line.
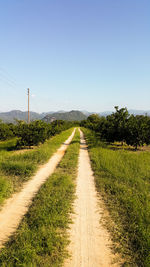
point(7, 75)
point(7, 81)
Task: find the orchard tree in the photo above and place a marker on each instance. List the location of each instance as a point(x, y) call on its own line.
point(116, 125)
point(31, 134)
point(93, 122)
point(5, 131)
point(138, 131)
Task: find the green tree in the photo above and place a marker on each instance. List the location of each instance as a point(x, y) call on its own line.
point(138, 130)
point(5, 131)
point(31, 134)
point(116, 125)
point(93, 122)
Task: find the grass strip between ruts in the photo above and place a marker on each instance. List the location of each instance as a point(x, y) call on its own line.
point(17, 168)
point(41, 238)
point(123, 180)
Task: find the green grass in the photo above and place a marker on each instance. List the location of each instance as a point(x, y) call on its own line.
point(7, 148)
point(17, 168)
point(8, 145)
point(41, 239)
point(123, 179)
point(5, 189)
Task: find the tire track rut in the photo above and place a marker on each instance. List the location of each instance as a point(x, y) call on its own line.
point(90, 241)
point(17, 206)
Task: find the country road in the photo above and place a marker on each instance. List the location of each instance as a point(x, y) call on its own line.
point(90, 241)
point(16, 207)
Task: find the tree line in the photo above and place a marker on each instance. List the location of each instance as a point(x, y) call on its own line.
point(33, 133)
point(120, 126)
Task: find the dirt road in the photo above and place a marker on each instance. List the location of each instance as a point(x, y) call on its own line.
point(16, 206)
point(90, 243)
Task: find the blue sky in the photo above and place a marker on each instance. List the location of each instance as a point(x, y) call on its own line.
point(75, 54)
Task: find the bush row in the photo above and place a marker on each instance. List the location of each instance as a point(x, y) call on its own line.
point(34, 133)
point(120, 126)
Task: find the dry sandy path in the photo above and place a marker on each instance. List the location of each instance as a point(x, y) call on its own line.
point(90, 242)
point(17, 206)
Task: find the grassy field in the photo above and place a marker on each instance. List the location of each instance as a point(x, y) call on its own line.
point(17, 168)
point(123, 180)
point(8, 145)
point(41, 238)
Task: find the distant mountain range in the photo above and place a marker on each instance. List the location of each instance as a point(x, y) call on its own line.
point(106, 113)
point(11, 116)
point(131, 111)
point(139, 112)
point(14, 115)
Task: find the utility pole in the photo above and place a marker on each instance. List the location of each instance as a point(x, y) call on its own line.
point(28, 105)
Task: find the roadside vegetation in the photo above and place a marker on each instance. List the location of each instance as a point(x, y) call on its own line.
point(34, 133)
point(17, 168)
point(120, 126)
point(123, 179)
point(41, 238)
point(8, 145)
point(6, 130)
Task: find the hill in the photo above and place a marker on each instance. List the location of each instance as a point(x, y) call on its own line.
point(11, 116)
point(73, 115)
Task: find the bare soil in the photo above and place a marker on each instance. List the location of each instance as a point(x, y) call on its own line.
point(16, 207)
point(21, 151)
point(90, 242)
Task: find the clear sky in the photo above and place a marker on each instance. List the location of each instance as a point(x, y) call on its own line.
point(75, 54)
